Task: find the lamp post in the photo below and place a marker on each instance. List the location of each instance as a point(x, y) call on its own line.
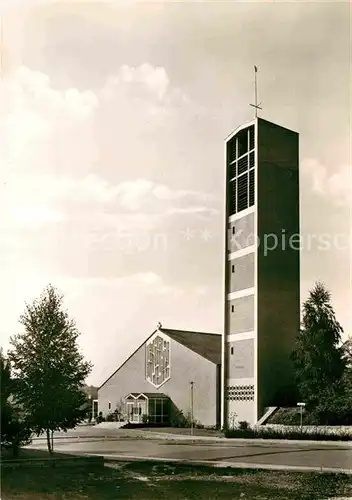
point(91, 407)
point(301, 405)
point(192, 385)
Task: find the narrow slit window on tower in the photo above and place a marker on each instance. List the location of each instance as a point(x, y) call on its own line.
point(242, 138)
point(243, 165)
point(232, 150)
point(232, 197)
point(251, 138)
point(233, 229)
point(251, 160)
point(231, 350)
point(232, 308)
point(242, 192)
point(232, 170)
point(233, 268)
point(251, 188)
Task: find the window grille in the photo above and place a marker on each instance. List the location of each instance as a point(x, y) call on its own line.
point(251, 188)
point(242, 195)
point(251, 160)
point(240, 393)
point(232, 150)
point(242, 165)
point(251, 138)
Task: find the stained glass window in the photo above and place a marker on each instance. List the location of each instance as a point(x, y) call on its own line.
point(158, 361)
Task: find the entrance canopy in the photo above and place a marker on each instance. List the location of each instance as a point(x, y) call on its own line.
point(146, 396)
point(147, 407)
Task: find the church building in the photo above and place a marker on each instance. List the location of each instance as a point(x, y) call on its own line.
point(172, 371)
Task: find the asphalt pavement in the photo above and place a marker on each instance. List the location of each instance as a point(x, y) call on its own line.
point(136, 444)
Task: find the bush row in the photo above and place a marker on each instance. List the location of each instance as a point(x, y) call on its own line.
point(297, 434)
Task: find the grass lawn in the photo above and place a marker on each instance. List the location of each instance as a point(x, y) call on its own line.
point(150, 481)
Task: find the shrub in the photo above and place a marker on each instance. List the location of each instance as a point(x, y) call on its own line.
point(291, 416)
point(145, 419)
point(180, 420)
point(198, 424)
point(177, 418)
point(114, 416)
point(15, 431)
point(297, 434)
point(243, 425)
point(111, 417)
point(100, 418)
point(216, 427)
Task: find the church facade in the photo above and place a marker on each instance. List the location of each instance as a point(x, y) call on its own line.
point(173, 371)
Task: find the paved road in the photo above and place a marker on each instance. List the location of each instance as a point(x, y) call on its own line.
point(128, 445)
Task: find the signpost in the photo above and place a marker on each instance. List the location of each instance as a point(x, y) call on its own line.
point(301, 405)
point(192, 385)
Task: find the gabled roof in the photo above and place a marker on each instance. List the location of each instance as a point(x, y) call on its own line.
point(149, 395)
point(207, 345)
point(133, 394)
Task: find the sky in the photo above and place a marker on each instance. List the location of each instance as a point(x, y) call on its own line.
point(113, 119)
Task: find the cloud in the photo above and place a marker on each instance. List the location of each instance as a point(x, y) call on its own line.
point(37, 121)
point(37, 86)
point(45, 128)
point(147, 282)
point(39, 199)
point(52, 138)
point(153, 79)
point(141, 194)
point(26, 285)
point(336, 185)
point(75, 166)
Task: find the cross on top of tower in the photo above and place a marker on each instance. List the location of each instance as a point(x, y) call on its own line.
point(256, 106)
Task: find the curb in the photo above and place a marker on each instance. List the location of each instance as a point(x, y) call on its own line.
point(223, 464)
point(201, 439)
point(74, 460)
point(180, 437)
point(99, 436)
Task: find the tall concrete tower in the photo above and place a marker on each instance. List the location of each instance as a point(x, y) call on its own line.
point(262, 270)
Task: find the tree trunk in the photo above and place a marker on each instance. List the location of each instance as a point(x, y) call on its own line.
point(52, 441)
point(48, 441)
point(15, 449)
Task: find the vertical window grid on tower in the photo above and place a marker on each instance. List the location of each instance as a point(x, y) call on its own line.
point(240, 168)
